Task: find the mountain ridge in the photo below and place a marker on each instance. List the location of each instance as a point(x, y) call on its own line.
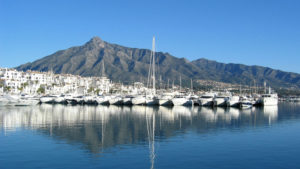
point(126, 64)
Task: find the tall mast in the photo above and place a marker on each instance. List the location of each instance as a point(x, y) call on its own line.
point(153, 63)
point(180, 83)
point(103, 69)
point(191, 86)
point(168, 84)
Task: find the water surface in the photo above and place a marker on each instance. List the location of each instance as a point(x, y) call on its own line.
point(58, 136)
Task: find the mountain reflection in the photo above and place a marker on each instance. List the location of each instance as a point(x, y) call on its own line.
point(100, 127)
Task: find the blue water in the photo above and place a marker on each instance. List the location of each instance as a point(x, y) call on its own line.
point(58, 136)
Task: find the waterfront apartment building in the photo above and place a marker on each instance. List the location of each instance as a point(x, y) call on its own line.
point(33, 82)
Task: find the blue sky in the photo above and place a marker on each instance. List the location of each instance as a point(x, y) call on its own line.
point(252, 32)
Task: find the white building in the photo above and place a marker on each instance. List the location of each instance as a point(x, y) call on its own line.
point(32, 82)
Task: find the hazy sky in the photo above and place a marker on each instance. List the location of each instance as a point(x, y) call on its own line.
point(252, 32)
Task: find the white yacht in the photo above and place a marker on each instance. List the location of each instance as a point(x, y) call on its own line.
point(27, 101)
point(103, 100)
point(47, 99)
point(245, 103)
point(269, 99)
point(4, 100)
point(151, 100)
point(233, 101)
point(180, 100)
point(79, 99)
point(127, 100)
point(206, 99)
point(60, 99)
point(165, 99)
point(18, 100)
point(88, 99)
point(70, 99)
point(221, 99)
point(138, 100)
point(116, 100)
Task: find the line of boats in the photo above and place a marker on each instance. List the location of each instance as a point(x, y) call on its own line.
point(222, 99)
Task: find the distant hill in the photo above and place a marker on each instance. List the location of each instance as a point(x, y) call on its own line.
point(131, 64)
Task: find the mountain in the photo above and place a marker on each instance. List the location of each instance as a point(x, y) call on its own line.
point(131, 64)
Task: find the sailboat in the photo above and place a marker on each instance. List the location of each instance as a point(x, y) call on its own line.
point(151, 98)
point(150, 94)
point(181, 100)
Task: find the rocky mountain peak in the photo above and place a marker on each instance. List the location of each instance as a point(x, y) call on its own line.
point(96, 41)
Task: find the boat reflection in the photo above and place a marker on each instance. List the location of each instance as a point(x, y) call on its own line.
point(99, 127)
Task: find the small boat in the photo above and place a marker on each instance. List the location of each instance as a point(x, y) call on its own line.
point(245, 103)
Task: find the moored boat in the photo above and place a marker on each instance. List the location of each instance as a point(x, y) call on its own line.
point(206, 99)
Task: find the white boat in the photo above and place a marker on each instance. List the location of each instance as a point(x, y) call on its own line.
point(138, 100)
point(79, 99)
point(221, 99)
point(195, 99)
point(3, 101)
point(59, 99)
point(89, 99)
point(233, 101)
point(47, 99)
point(150, 97)
point(165, 99)
point(206, 99)
point(18, 100)
point(27, 102)
point(151, 100)
point(180, 100)
point(116, 100)
point(127, 100)
point(269, 99)
point(245, 103)
point(103, 100)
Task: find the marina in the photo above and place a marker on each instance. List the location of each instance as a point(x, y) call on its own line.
point(161, 100)
point(30, 88)
point(149, 84)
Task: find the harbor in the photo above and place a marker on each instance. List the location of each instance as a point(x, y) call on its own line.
point(209, 99)
point(30, 88)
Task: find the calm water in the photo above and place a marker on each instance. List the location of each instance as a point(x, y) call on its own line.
point(58, 136)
